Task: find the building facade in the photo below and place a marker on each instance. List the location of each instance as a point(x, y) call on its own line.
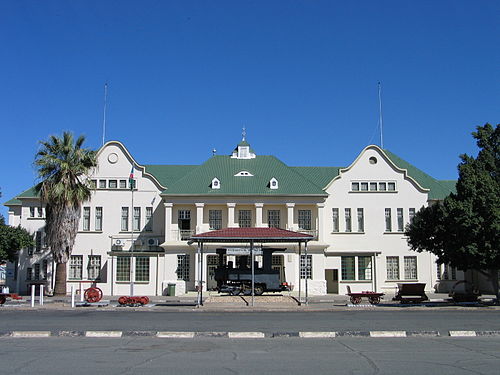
point(356, 215)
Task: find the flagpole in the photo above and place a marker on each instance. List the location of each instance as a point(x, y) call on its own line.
point(132, 263)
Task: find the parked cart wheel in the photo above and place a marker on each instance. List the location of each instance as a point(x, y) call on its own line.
point(2, 300)
point(355, 300)
point(93, 294)
point(375, 300)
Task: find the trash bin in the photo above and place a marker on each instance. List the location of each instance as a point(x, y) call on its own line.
point(171, 289)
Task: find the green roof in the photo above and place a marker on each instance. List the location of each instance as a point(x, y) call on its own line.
point(438, 189)
point(30, 193)
point(263, 168)
point(320, 176)
point(168, 174)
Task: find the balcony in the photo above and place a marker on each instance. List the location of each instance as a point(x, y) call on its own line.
point(182, 234)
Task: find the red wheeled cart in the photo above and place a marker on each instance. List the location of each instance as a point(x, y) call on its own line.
point(373, 297)
point(4, 296)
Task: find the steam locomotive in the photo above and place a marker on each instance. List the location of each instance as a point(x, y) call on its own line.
point(236, 281)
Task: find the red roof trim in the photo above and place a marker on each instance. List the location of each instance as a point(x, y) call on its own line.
point(252, 233)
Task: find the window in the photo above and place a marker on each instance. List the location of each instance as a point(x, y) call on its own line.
point(382, 186)
point(122, 269)
point(215, 219)
point(273, 184)
point(410, 268)
point(113, 184)
point(392, 268)
point(305, 219)
point(348, 222)
point(388, 220)
point(364, 186)
point(184, 215)
point(448, 273)
point(94, 267)
point(411, 214)
point(123, 184)
point(361, 220)
point(335, 213)
point(93, 184)
point(306, 269)
point(364, 268)
point(273, 218)
point(149, 219)
point(183, 267)
point(132, 183)
point(124, 225)
point(373, 186)
point(400, 219)
point(37, 271)
point(39, 211)
point(391, 186)
point(32, 211)
point(29, 273)
point(355, 186)
point(86, 218)
point(38, 241)
point(75, 267)
point(102, 184)
point(348, 268)
point(98, 218)
point(45, 269)
point(215, 183)
point(245, 218)
point(137, 219)
point(142, 269)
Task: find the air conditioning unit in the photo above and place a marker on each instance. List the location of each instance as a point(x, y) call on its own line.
point(153, 242)
point(118, 242)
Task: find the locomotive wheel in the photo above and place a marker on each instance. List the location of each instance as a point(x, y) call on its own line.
point(2, 300)
point(258, 290)
point(355, 300)
point(123, 300)
point(93, 295)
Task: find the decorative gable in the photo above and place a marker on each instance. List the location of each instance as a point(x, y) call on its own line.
point(215, 183)
point(273, 184)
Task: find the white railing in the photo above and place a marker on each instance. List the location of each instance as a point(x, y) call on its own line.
point(182, 234)
point(311, 232)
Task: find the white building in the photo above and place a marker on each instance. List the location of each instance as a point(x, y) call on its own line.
point(356, 214)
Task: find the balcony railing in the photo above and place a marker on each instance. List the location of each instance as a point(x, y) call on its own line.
point(182, 234)
point(311, 232)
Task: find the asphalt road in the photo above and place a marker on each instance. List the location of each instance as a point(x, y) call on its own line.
point(266, 356)
point(268, 322)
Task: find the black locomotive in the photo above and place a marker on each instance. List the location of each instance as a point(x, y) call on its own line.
point(236, 281)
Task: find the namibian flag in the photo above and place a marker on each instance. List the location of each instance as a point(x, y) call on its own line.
point(131, 181)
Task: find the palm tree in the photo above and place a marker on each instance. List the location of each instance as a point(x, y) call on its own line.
point(63, 167)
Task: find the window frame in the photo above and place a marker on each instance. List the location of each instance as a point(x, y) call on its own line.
point(75, 267)
point(392, 268)
point(122, 273)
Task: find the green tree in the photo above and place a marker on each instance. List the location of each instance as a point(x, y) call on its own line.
point(63, 167)
point(12, 239)
point(464, 229)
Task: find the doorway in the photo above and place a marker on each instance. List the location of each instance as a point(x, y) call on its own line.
point(332, 281)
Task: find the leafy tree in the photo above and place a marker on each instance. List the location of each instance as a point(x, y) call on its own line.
point(63, 167)
point(12, 239)
point(464, 229)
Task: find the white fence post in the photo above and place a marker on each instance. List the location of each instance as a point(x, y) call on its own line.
point(32, 296)
point(72, 296)
point(41, 295)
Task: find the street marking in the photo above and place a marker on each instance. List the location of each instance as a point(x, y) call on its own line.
point(317, 334)
point(246, 335)
point(462, 333)
point(103, 334)
point(31, 334)
point(387, 333)
point(166, 335)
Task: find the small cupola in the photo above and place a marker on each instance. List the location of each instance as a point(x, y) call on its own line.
point(273, 184)
point(215, 183)
point(243, 149)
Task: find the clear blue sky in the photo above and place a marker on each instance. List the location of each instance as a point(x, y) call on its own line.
point(185, 77)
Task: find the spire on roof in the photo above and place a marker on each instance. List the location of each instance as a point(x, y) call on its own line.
point(244, 135)
point(243, 149)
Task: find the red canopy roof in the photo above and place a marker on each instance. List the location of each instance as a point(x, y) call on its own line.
point(255, 234)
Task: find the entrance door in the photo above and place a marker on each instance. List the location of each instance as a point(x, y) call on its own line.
point(212, 263)
point(279, 264)
point(332, 281)
point(184, 224)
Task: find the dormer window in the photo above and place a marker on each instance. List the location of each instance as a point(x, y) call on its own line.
point(243, 174)
point(243, 152)
point(273, 184)
point(215, 183)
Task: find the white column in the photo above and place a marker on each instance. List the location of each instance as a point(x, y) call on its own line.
point(289, 215)
point(199, 217)
point(230, 215)
point(258, 215)
point(321, 221)
point(168, 221)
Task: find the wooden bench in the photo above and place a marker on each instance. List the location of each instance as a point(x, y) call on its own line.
point(411, 293)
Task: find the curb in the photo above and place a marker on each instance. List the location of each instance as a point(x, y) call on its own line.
point(246, 335)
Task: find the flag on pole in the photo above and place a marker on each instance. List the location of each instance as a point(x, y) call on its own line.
point(131, 181)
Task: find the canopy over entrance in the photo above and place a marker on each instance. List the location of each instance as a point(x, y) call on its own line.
point(250, 236)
